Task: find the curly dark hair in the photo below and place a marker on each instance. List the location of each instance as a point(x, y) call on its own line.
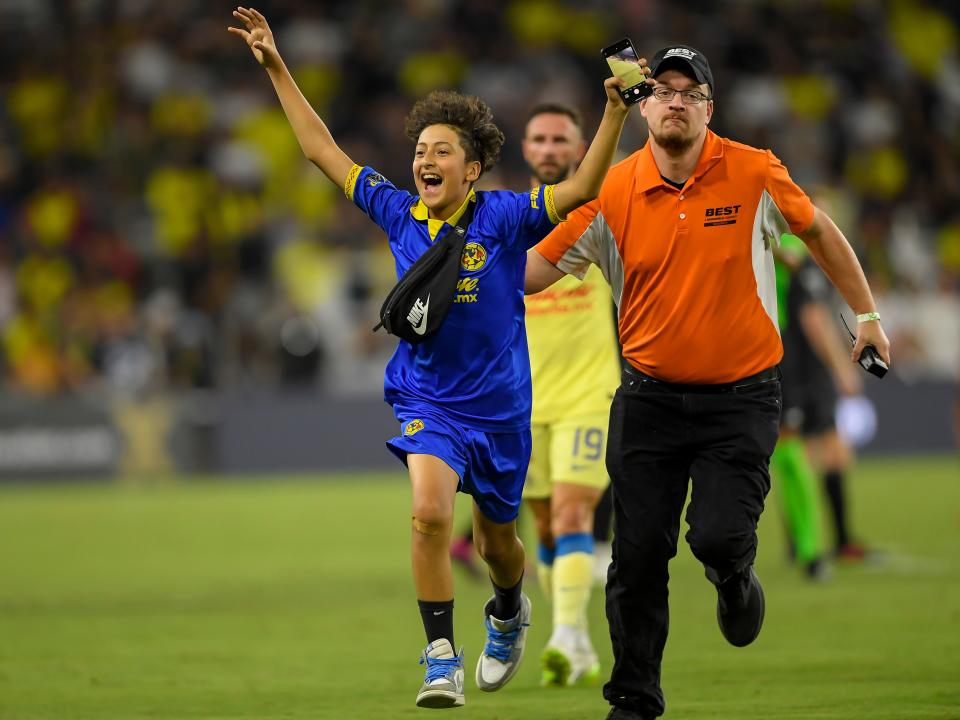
point(469, 116)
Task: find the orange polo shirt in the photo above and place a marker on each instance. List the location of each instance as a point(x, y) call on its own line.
point(691, 270)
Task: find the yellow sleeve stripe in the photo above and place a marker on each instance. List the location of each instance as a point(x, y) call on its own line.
point(351, 181)
point(551, 205)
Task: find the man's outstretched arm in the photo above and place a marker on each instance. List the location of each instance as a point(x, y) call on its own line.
point(836, 258)
point(541, 273)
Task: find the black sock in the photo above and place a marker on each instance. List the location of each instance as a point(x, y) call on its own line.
point(603, 515)
point(437, 619)
point(506, 601)
point(833, 484)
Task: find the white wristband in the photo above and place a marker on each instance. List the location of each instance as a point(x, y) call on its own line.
point(867, 317)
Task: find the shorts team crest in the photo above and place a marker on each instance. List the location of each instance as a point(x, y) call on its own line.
point(413, 427)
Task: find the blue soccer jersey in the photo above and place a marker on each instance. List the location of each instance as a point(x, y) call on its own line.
point(475, 368)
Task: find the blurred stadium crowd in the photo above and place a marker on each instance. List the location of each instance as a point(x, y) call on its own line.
point(159, 227)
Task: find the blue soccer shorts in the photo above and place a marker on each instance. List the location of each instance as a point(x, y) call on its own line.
point(491, 466)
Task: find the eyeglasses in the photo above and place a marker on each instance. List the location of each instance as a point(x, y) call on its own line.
point(687, 97)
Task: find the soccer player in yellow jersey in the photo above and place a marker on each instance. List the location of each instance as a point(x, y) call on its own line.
point(575, 370)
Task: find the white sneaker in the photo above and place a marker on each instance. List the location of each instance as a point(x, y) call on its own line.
point(505, 645)
point(443, 685)
point(602, 557)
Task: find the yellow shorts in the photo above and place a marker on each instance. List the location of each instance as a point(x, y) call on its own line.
point(569, 451)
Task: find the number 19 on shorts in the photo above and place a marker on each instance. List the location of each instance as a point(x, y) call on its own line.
point(587, 444)
point(578, 453)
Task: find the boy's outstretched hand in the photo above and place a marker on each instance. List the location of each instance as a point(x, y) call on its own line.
point(613, 86)
point(258, 36)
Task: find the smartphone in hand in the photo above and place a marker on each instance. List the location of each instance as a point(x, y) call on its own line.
point(625, 64)
point(870, 359)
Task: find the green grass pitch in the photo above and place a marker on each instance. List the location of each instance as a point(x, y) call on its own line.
point(292, 598)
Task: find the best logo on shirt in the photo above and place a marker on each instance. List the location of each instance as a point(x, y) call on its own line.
point(726, 215)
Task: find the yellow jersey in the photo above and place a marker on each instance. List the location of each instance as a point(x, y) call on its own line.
point(573, 348)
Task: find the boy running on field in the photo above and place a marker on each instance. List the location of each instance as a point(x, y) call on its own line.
point(462, 397)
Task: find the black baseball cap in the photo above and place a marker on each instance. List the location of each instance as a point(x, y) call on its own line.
point(687, 60)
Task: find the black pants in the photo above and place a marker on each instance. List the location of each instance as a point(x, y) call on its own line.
point(660, 437)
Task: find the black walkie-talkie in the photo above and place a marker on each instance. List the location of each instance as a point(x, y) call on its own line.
point(869, 359)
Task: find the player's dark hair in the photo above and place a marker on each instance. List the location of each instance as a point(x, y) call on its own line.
point(470, 118)
point(551, 108)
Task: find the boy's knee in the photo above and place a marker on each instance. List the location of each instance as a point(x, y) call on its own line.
point(431, 519)
point(428, 527)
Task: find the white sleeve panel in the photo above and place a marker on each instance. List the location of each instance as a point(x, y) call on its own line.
point(774, 224)
point(596, 245)
point(768, 225)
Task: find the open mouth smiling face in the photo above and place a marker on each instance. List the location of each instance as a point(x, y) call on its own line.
point(432, 183)
point(441, 170)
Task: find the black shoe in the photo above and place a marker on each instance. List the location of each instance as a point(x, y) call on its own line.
point(740, 607)
point(617, 713)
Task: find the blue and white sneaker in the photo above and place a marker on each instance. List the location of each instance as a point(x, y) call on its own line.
point(504, 649)
point(443, 685)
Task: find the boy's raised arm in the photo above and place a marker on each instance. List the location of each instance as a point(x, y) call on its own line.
point(315, 139)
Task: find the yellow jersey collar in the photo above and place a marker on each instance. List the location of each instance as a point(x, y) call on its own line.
point(421, 212)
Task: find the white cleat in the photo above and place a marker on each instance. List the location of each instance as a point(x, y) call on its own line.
point(562, 665)
point(504, 649)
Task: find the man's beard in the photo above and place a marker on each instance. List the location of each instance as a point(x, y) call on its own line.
point(551, 177)
point(673, 143)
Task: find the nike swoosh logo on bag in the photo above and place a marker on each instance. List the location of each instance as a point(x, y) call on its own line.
point(417, 317)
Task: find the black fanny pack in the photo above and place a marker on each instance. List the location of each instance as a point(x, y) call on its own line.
point(416, 306)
